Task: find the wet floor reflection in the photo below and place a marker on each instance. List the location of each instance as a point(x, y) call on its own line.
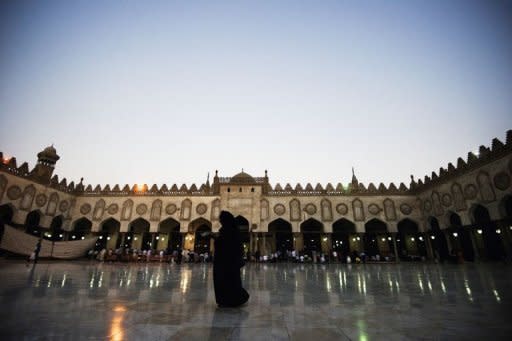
point(112, 299)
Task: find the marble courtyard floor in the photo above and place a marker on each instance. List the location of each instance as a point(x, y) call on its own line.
point(88, 300)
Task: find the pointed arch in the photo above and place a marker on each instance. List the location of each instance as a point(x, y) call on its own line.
point(126, 213)
point(32, 222)
point(6, 214)
point(485, 186)
point(156, 210)
point(99, 210)
point(186, 209)
point(389, 209)
point(27, 197)
point(358, 209)
point(458, 197)
point(197, 223)
point(326, 208)
point(215, 210)
point(3, 186)
point(295, 210)
point(281, 231)
point(52, 204)
point(264, 205)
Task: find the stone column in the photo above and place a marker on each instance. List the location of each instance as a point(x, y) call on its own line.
point(153, 238)
point(326, 245)
point(428, 244)
point(395, 246)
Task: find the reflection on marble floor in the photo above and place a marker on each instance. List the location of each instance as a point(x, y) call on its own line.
point(82, 300)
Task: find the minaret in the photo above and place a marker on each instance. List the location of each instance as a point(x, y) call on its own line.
point(46, 161)
point(354, 185)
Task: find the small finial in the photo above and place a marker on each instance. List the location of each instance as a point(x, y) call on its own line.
point(412, 178)
point(216, 172)
point(265, 173)
point(81, 180)
point(242, 170)
point(352, 170)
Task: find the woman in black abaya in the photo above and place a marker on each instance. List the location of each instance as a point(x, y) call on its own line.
point(227, 262)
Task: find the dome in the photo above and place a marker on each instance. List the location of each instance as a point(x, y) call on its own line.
point(242, 178)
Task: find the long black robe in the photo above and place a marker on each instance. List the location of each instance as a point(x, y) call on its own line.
point(227, 262)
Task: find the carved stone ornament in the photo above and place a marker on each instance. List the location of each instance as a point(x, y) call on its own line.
point(170, 209)
point(113, 209)
point(405, 209)
point(41, 199)
point(342, 209)
point(279, 209)
point(85, 208)
point(201, 209)
point(141, 209)
point(14, 192)
point(63, 206)
point(310, 209)
point(427, 205)
point(374, 209)
point(501, 181)
point(470, 191)
point(446, 200)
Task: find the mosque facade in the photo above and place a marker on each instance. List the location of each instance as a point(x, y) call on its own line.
point(463, 209)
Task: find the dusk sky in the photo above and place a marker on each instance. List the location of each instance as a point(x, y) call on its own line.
point(167, 91)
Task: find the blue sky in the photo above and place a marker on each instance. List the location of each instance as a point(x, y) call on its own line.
point(167, 91)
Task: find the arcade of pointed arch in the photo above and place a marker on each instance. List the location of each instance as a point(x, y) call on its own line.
point(487, 185)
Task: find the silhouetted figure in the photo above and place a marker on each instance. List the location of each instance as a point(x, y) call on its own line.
point(227, 262)
point(34, 256)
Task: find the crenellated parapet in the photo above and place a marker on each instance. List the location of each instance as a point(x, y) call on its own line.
point(486, 155)
point(339, 190)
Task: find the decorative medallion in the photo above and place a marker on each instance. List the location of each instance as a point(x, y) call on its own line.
point(470, 191)
point(502, 181)
point(85, 208)
point(405, 209)
point(14, 192)
point(141, 209)
point(63, 206)
point(279, 209)
point(374, 209)
point(112, 209)
point(427, 206)
point(310, 209)
point(446, 200)
point(170, 209)
point(342, 209)
point(41, 199)
point(201, 209)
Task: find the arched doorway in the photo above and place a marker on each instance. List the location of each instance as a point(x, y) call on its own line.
point(410, 243)
point(438, 240)
point(167, 236)
point(490, 239)
point(460, 237)
point(140, 238)
point(311, 230)
point(376, 239)
point(56, 233)
point(342, 230)
point(198, 230)
point(82, 228)
point(281, 231)
point(243, 226)
point(32, 223)
point(109, 235)
point(6, 214)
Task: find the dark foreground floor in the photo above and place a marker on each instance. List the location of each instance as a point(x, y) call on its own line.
point(82, 300)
